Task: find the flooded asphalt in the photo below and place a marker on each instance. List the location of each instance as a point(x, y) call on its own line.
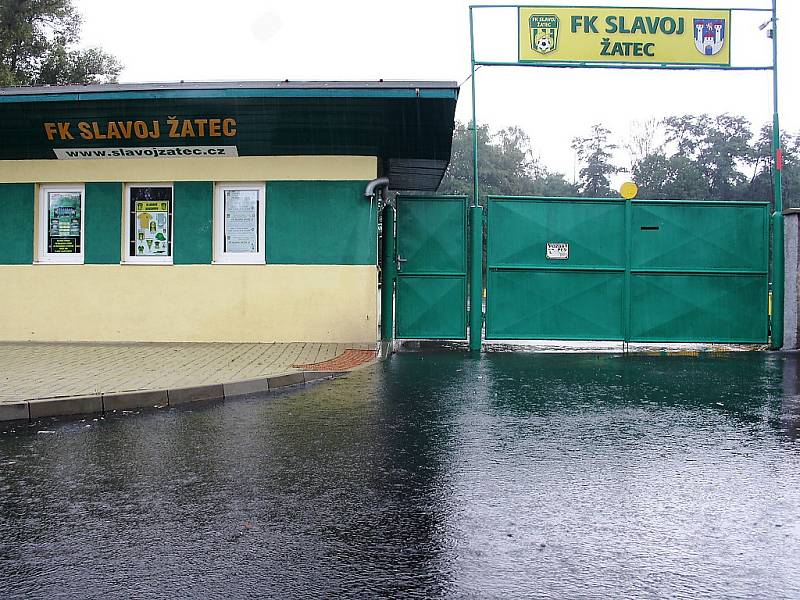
point(429, 475)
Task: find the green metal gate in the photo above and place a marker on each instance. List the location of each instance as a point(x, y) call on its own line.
point(640, 271)
point(431, 267)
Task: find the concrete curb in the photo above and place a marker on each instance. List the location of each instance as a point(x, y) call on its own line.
point(37, 408)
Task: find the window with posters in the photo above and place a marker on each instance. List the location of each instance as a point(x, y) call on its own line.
point(239, 223)
point(61, 224)
point(149, 223)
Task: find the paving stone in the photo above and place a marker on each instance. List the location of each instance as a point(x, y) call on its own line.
point(198, 393)
point(50, 370)
point(59, 407)
point(14, 411)
point(134, 400)
point(249, 386)
point(285, 380)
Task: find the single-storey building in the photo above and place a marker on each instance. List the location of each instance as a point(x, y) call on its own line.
point(206, 211)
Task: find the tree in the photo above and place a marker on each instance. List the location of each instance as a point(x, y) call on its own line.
point(715, 158)
point(507, 166)
point(762, 181)
point(595, 153)
point(662, 177)
point(38, 41)
point(643, 140)
point(719, 146)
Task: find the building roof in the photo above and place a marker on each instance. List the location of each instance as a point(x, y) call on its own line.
point(408, 125)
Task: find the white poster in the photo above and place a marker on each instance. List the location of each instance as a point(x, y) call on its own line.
point(241, 220)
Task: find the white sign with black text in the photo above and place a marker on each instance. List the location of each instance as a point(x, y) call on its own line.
point(557, 251)
point(241, 220)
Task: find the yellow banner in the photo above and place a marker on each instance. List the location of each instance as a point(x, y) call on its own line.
point(152, 206)
point(551, 34)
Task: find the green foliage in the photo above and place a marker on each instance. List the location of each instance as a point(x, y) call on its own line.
point(691, 157)
point(38, 41)
point(662, 177)
point(761, 185)
point(718, 146)
point(709, 158)
point(507, 166)
point(595, 153)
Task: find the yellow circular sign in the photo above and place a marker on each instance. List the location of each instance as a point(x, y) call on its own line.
point(629, 190)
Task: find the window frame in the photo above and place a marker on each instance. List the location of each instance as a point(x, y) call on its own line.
point(127, 257)
point(42, 254)
point(221, 256)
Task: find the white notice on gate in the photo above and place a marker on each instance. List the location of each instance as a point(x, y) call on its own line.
point(241, 220)
point(557, 251)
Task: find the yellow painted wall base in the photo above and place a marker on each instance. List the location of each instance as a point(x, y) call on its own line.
point(189, 303)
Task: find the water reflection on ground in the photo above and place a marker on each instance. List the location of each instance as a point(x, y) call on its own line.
point(432, 474)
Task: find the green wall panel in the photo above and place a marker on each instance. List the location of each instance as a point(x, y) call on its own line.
point(320, 222)
point(562, 305)
point(102, 225)
point(431, 307)
point(519, 230)
point(698, 308)
point(698, 236)
point(192, 219)
point(432, 235)
point(17, 202)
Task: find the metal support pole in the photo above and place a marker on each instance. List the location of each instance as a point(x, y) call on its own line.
point(474, 115)
point(778, 260)
point(389, 275)
point(475, 221)
point(475, 277)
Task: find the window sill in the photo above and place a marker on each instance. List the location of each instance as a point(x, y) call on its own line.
point(58, 262)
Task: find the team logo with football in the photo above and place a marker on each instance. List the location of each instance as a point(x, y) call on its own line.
point(709, 36)
point(544, 33)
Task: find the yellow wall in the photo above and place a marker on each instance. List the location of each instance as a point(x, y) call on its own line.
point(160, 303)
point(243, 168)
point(189, 303)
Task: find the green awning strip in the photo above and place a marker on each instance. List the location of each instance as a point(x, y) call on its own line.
point(234, 93)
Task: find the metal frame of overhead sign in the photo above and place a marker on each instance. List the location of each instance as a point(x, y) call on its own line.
point(777, 153)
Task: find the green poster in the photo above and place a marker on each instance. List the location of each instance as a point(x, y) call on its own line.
point(64, 222)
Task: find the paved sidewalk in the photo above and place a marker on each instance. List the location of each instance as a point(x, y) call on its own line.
point(43, 370)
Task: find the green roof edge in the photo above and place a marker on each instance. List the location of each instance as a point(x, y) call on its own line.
point(55, 96)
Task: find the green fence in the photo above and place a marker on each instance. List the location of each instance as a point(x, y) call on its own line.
point(641, 271)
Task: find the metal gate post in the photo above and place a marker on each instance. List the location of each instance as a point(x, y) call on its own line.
point(389, 275)
point(778, 266)
point(778, 263)
point(475, 276)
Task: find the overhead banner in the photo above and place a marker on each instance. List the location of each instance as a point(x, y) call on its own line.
point(668, 36)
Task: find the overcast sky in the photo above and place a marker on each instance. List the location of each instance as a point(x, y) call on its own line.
point(171, 40)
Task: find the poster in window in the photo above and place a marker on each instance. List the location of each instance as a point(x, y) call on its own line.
point(64, 222)
point(241, 221)
point(150, 224)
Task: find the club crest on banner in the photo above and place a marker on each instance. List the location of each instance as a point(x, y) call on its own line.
point(544, 33)
point(709, 36)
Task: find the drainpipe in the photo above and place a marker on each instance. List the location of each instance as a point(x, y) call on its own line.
point(381, 185)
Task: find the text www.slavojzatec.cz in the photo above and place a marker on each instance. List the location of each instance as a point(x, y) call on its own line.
point(151, 152)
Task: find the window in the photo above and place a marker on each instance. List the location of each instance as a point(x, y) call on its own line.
point(61, 224)
point(148, 223)
point(239, 223)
